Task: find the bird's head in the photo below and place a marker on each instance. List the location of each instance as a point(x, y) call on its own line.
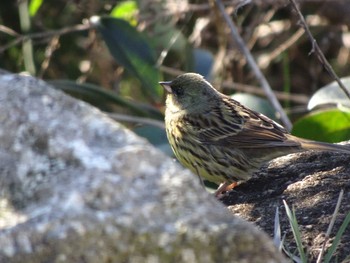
point(189, 92)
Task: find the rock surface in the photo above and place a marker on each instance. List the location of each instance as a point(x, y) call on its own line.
point(310, 182)
point(77, 187)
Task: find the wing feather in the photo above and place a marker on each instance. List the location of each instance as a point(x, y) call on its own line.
point(233, 124)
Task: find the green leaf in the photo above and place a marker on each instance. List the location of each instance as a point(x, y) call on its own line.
point(104, 99)
point(332, 125)
point(34, 7)
point(256, 103)
point(131, 50)
point(126, 10)
point(330, 94)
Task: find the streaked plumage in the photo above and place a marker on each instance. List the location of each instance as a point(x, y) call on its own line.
point(218, 138)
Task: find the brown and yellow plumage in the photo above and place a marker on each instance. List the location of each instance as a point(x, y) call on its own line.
point(218, 138)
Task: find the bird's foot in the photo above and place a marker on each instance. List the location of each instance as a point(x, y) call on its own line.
point(223, 188)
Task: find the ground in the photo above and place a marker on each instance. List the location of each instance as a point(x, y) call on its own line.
point(310, 182)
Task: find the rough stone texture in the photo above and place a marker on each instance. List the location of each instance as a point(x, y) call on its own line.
point(310, 182)
point(77, 187)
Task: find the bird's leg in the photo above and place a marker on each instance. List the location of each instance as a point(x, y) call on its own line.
point(225, 187)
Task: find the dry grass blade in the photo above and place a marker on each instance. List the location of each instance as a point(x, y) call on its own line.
point(336, 240)
point(277, 240)
point(330, 227)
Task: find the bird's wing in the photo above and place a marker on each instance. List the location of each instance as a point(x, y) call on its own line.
point(233, 124)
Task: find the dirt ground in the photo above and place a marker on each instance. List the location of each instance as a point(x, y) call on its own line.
point(310, 182)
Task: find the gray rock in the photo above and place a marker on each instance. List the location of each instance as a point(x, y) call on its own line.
point(310, 182)
point(77, 187)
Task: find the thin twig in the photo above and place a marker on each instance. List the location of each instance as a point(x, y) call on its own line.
point(133, 119)
point(317, 50)
point(296, 98)
point(256, 22)
point(50, 49)
point(8, 31)
point(165, 51)
point(265, 61)
point(170, 44)
point(190, 8)
point(260, 77)
point(171, 71)
point(330, 227)
point(221, 40)
point(66, 30)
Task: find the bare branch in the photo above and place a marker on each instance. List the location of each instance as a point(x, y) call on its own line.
point(66, 30)
point(140, 120)
point(260, 77)
point(8, 31)
point(296, 98)
point(265, 61)
point(317, 50)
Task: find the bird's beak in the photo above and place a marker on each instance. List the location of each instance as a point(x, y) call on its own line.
point(166, 85)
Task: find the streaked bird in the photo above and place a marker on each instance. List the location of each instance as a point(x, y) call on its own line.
point(221, 140)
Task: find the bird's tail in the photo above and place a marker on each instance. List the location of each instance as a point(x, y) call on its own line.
point(323, 146)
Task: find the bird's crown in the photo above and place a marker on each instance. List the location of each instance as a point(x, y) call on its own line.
point(189, 90)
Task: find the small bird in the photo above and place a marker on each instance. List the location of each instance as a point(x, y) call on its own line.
point(221, 140)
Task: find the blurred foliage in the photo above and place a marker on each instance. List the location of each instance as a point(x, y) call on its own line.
point(123, 48)
point(331, 125)
point(126, 10)
point(104, 99)
point(34, 6)
point(330, 95)
point(132, 51)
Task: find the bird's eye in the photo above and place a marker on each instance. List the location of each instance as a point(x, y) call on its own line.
point(178, 91)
